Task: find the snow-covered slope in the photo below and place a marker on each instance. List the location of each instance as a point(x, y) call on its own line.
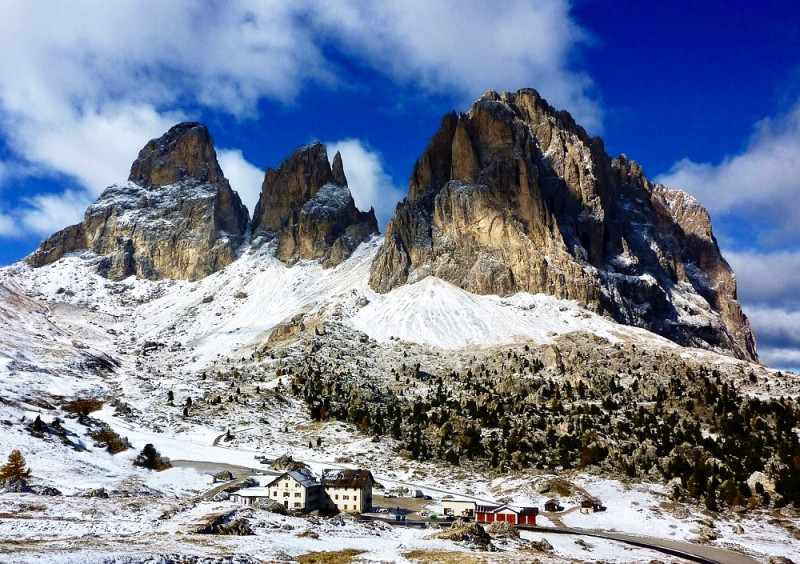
point(66, 332)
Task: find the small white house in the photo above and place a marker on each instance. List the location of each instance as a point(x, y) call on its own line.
point(248, 496)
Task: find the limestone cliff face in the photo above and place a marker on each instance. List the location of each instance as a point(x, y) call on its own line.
point(513, 196)
point(176, 217)
point(307, 207)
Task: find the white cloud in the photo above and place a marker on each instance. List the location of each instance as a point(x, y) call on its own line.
point(84, 85)
point(8, 227)
point(767, 279)
point(369, 183)
point(45, 214)
point(781, 358)
point(244, 177)
point(761, 185)
point(96, 148)
point(769, 291)
point(469, 46)
point(778, 335)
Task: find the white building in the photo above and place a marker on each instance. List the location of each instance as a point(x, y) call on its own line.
point(295, 490)
point(248, 496)
point(347, 490)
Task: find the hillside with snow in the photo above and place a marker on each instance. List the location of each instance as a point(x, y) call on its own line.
point(68, 333)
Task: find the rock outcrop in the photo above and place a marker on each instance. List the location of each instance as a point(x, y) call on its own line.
point(514, 196)
point(306, 206)
point(176, 217)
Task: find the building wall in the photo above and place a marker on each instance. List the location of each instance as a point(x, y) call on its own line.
point(457, 507)
point(347, 499)
point(294, 496)
point(506, 515)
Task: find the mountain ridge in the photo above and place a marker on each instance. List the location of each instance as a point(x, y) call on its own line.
point(512, 196)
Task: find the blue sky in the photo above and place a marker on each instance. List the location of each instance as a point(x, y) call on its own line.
point(705, 95)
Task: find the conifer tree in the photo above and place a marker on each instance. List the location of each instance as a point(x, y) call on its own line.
point(15, 467)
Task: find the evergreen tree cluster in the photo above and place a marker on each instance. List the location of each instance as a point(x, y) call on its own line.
point(509, 413)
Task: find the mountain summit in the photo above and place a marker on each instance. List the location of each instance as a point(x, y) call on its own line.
point(514, 196)
point(176, 217)
point(306, 205)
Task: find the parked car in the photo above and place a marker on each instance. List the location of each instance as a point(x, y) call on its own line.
point(427, 497)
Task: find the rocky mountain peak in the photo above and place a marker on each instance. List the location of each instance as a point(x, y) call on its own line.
point(185, 152)
point(306, 206)
point(176, 217)
point(514, 196)
point(337, 170)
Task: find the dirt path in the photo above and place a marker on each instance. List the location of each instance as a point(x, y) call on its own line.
point(555, 518)
point(216, 467)
point(233, 433)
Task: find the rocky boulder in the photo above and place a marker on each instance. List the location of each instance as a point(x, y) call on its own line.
point(468, 532)
point(16, 484)
point(514, 196)
point(306, 206)
point(235, 523)
point(176, 217)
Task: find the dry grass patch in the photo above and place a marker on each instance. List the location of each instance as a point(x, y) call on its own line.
point(443, 557)
point(338, 557)
point(454, 557)
point(82, 406)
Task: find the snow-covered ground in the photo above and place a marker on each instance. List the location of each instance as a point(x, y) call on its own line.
point(62, 326)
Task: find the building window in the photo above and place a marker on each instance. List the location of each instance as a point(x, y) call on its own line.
point(355, 498)
point(337, 496)
point(297, 505)
point(285, 494)
point(275, 493)
point(345, 497)
point(345, 507)
point(297, 494)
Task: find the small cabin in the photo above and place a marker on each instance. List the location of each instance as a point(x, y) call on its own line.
point(551, 506)
point(591, 506)
point(249, 496)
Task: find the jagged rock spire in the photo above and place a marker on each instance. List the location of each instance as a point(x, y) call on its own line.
point(306, 205)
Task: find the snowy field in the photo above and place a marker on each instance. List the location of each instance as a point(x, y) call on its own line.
point(59, 323)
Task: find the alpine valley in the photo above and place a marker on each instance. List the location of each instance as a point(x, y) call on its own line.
point(539, 322)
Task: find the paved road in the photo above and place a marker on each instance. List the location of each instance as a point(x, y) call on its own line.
point(687, 550)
